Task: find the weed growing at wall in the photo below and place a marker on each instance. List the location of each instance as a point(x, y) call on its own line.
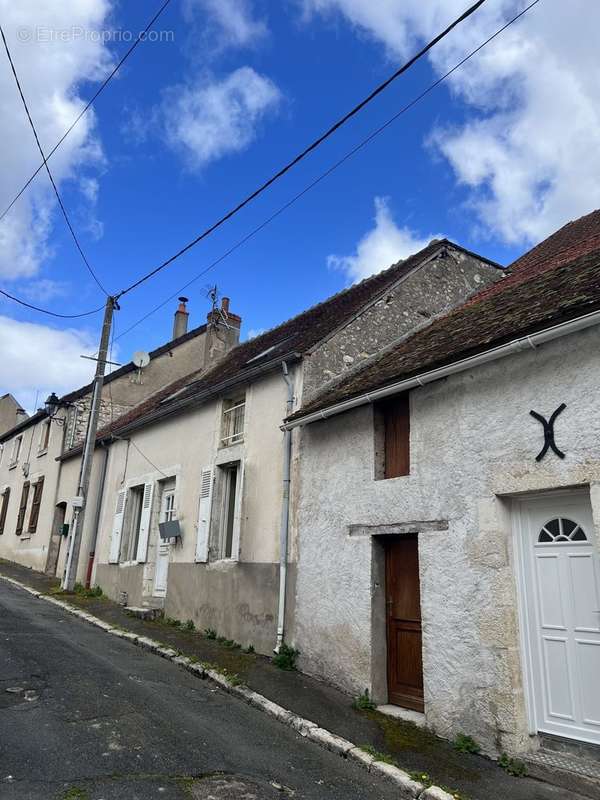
point(363, 702)
point(466, 744)
point(286, 657)
point(512, 766)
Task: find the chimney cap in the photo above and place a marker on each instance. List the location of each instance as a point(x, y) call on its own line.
point(183, 299)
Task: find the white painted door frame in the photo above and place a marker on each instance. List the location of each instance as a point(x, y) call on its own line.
point(527, 513)
point(168, 512)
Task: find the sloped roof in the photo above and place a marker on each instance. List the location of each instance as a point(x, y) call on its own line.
point(287, 341)
point(565, 290)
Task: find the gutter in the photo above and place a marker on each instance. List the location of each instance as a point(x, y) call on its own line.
point(516, 345)
point(285, 511)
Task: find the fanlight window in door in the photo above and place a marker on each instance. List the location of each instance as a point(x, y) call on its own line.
point(561, 529)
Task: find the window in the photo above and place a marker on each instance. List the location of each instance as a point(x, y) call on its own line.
point(232, 428)
point(168, 512)
point(22, 508)
point(392, 437)
point(131, 527)
point(561, 530)
point(4, 498)
point(16, 451)
point(35, 506)
point(44, 437)
point(229, 488)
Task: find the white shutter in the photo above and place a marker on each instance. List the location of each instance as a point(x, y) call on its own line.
point(142, 548)
point(115, 539)
point(204, 507)
point(237, 513)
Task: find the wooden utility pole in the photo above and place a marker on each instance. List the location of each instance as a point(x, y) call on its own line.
point(80, 502)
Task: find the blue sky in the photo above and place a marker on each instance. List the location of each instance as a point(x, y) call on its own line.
point(196, 121)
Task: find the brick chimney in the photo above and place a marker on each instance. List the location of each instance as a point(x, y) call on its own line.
point(180, 321)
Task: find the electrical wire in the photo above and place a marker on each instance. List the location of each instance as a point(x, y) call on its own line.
point(47, 311)
point(331, 169)
point(141, 37)
point(37, 141)
point(307, 150)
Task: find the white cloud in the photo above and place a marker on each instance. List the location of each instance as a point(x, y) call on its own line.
point(530, 151)
point(37, 358)
point(51, 71)
point(210, 120)
point(42, 290)
point(226, 23)
point(382, 246)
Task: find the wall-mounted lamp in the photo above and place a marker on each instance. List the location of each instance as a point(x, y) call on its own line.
point(53, 405)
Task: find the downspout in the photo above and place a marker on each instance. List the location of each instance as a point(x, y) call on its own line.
point(97, 513)
point(285, 509)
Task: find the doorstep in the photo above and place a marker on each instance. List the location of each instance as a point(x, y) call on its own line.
point(568, 763)
point(407, 714)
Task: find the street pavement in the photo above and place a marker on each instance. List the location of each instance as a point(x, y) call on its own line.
point(87, 716)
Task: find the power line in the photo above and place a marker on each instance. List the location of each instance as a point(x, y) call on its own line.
point(89, 104)
point(37, 141)
point(331, 169)
point(306, 150)
point(46, 310)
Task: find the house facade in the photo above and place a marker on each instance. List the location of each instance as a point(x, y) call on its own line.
point(35, 496)
point(448, 520)
point(194, 509)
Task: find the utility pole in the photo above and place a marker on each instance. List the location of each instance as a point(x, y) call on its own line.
point(85, 471)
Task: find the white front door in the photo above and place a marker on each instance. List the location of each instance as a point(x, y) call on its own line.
point(561, 583)
point(161, 573)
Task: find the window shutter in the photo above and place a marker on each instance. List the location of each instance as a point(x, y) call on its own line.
point(237, 514)
point(204, 508)
point(397, 436)
point(4, 508)
point(142, 548)
point(35, 506)
point(115, 540)
point(22, 508)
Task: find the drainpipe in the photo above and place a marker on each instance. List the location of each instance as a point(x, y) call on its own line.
point(285, 509)
point(98, 511)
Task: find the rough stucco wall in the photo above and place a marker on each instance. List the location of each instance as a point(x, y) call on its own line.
point(31, 550)
point(433, 289)
point(238, 600)
point(472, 442)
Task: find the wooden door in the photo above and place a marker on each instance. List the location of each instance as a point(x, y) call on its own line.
point(403, 603)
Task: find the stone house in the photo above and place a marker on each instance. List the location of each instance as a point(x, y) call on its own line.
point(33, 503)
point(193, 515)
point(448, 520)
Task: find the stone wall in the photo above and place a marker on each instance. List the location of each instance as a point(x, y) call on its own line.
point(428, 291)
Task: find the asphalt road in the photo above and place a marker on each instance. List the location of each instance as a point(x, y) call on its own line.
point(87, 716)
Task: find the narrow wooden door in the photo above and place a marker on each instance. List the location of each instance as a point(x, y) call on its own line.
point(403, 602)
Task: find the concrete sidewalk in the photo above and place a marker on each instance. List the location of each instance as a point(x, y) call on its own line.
point(413, 749)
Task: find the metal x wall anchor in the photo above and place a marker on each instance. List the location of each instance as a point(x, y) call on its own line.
point(548, 426)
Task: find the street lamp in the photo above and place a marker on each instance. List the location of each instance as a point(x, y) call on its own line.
point(52, 405)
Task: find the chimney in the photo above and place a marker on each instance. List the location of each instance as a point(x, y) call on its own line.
point(223, 331)
point(180, 322)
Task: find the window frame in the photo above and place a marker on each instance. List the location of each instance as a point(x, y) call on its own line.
point(44, 440)
point(233, 427)
point(133, 519)
point(16, 451)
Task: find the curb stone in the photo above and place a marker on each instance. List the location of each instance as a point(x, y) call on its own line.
point(306, 728)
